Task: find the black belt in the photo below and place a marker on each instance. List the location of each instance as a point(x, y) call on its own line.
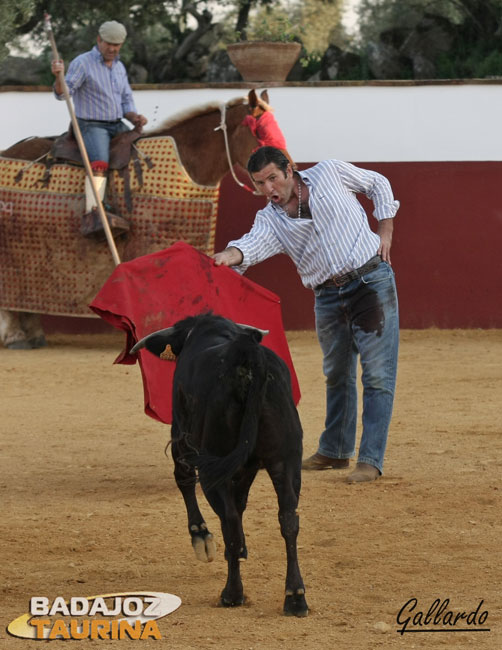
point(341, 280)
point(101, 121)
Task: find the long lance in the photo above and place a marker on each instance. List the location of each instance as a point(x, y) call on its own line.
point(81, 145)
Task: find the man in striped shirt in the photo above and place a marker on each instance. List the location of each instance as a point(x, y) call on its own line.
point(314, 217)
point(97, 81)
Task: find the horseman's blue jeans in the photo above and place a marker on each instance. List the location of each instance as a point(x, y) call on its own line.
point(360, 318)
point(97, 137)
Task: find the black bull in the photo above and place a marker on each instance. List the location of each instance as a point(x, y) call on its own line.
point(233, 413)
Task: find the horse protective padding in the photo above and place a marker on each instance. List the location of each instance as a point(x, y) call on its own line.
point(155, 291)
point(47, 266)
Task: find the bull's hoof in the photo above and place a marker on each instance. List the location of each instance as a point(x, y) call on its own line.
point(231, 601)
point(203, 543)
point(295, 604)
point(19, 345)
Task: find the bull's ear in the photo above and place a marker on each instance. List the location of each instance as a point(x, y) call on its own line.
point(156, 342)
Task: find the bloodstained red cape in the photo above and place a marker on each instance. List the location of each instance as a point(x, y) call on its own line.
point(155, 291)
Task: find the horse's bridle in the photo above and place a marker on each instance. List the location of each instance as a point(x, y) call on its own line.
point(223, 127)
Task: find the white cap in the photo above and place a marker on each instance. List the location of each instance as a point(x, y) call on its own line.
point(113, 32)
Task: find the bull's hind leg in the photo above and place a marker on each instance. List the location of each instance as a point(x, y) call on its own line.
point(286, 480)
point(229, 502)
point(242, 483)
point(202, 540)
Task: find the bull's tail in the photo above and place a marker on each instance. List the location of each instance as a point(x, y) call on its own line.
point(248, 364)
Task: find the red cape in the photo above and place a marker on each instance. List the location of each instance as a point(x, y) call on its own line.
point(155, 291)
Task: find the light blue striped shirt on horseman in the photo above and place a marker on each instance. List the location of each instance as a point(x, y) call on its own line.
point(337, 239)
point(104, 91)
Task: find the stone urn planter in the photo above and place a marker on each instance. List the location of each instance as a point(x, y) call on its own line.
point(264, 60)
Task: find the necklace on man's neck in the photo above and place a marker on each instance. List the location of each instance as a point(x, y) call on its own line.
point(299, 198)
point(300, 209)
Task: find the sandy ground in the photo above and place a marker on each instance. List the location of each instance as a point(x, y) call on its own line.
point(89, 503)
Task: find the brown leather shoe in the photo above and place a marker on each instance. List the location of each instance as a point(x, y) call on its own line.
point(318, 461)
point(363, 473)
point(93, 228)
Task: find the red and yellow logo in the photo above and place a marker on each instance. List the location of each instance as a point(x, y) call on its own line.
point(130, 615)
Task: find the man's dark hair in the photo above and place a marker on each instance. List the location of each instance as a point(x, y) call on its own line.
point(266, 155)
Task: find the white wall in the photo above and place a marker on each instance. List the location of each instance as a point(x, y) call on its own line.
point(356, 123)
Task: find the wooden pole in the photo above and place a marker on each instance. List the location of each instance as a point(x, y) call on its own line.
point(81, 145)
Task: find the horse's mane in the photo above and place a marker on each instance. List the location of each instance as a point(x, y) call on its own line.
point(190, 113)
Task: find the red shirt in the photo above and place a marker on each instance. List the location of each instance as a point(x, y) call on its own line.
point(266, 130)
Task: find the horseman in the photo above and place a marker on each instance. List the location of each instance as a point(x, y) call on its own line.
point(98, 82)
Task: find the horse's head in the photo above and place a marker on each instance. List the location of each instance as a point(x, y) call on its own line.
point(242, 141)
point(258, 105)
point(201, 135)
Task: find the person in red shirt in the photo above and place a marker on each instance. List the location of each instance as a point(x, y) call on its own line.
point(263, 125)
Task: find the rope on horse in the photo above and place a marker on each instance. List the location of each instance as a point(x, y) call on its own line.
point(223, 127)
point(20, 173)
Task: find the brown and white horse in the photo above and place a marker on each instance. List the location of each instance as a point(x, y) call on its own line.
point(209, 139)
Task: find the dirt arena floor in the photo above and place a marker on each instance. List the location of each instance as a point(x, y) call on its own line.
point(89, 505)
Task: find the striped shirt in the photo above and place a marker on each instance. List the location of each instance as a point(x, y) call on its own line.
point(337, 239)
point(99, 92)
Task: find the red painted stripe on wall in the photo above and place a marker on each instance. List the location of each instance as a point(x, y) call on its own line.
point(446, 250)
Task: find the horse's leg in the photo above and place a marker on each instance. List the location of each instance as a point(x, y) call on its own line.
point(11, 332)
point(229, 501)
point(32, 327)
point(184, 474)
point(287, 480)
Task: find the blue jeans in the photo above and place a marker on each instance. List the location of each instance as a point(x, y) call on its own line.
point(97, 137)
point(360, 318)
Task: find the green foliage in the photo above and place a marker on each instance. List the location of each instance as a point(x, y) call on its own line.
point(311, 63)
point(170, 39)
point(476, 65)
point(357, 72)
point(471, 47)
point(156, 29)
point(269, 25)
point(489, 66)
point(12, 15)
point(277, 28)
point(321, 21)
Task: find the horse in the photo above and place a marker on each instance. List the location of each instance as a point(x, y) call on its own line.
point(206, 140)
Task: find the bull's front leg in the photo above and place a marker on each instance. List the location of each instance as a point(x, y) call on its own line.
point(185, 477)
point(233, 593)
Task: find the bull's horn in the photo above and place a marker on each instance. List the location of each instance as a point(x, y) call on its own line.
point(143, 342)
point(251, 327)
